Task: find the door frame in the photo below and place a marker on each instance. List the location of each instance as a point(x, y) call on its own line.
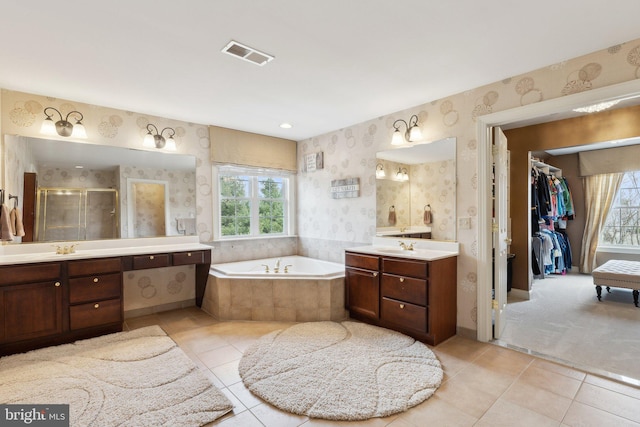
point(540, 112)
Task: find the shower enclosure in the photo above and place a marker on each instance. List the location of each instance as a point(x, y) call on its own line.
point(76, 214)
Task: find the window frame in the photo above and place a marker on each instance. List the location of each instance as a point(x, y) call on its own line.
point(612, 247)
point(254, 173)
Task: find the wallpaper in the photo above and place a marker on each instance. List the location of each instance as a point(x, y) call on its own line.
point(327, 226)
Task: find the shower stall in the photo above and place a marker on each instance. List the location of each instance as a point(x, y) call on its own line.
point(76, 214)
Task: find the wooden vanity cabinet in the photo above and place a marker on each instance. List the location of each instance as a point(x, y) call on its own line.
point(362, 285)
point(415, 297)
point(31, 302)
point(95, 294)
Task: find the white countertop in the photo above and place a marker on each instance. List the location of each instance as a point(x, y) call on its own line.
point(44, 252)
point(421, 254)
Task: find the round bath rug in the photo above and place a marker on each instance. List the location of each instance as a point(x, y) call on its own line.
point(340, 371)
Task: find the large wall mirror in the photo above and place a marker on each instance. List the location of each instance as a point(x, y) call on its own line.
point(83, 191)
point(416, 191)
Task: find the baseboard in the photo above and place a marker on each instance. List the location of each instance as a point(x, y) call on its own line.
point(471, 334)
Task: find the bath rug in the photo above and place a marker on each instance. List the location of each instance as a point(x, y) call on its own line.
point(136, 378)
point(340, 371)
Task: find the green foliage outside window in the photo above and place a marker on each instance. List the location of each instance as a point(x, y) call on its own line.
point(237, 201)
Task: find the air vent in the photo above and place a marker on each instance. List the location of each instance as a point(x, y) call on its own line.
point(246, 53)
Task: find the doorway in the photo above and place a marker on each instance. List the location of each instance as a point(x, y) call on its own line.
point(546, 111)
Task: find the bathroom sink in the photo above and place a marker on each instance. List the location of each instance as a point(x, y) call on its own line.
point(393, 250)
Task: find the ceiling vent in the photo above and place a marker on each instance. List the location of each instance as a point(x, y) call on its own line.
point(246, 53)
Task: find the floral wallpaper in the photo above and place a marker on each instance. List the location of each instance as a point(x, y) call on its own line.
point(327, 226)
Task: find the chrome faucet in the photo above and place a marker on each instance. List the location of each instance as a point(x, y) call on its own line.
point(406, 247)
point(276, 269)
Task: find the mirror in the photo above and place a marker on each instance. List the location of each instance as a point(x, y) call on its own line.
point(88, 192)
point(416, 191)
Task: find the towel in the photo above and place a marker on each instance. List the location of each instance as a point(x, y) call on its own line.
point(15, 220)
point(427, 216)
point(392, 215)
point(5, 224)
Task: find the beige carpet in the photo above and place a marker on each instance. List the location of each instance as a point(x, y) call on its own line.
point(137, 378)
point(564, 320)
point(340, 371)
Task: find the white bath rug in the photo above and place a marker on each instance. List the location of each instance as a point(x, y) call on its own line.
point(137, 378)
point(340, 371)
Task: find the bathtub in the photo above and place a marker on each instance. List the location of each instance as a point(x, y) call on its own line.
point(311, 290)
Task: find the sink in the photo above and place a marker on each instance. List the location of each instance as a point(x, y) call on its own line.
point(393, 250)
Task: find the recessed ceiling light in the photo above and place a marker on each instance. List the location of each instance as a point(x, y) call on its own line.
point(286, 125)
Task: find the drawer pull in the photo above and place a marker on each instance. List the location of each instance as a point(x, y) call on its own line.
point(151, 256)
point(95, 280)
point(188, 253)
point(401, 305)
point(401, 279)
point(375, 274)
point(57, 284)
point(96, 305)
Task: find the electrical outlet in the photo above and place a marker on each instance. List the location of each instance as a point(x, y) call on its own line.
point(464, 223)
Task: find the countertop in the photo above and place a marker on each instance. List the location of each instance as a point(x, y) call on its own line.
point(395, 251)
point(41, 252)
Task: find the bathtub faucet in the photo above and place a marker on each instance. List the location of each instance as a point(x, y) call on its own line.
point(286, 268)
point(266, 268)
point(276, 269)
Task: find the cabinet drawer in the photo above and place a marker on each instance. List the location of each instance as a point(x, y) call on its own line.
point(141, 262)
point(28, 273)
point(368, 262)
point(403, 267)
point(185, 258)
point(95, 314)
point(405, 289)
point(94, 266)
point(404, 314)
point(93, 288)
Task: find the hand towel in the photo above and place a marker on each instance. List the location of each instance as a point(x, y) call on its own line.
point(15, 220)
point(392, 215)
point(427, 216)
point(5, 224)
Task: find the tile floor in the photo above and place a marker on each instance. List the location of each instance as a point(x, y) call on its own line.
point(484, 384)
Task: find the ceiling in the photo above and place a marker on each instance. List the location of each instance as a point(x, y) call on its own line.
point(337, 63)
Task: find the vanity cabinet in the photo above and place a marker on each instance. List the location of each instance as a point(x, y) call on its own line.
point(415, 297)
point(31, 302)
point(362, 280)
point(95, 293)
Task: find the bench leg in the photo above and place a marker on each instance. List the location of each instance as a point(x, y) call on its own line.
point(599, 292)
point(608, 289)
point(635, 297)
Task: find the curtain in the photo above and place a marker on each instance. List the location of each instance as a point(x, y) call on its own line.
point(599, 192)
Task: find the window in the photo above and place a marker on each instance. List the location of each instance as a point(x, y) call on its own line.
point(622, 227)
point(253, 203)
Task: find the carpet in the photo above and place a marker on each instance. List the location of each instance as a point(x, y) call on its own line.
point(340, 371)
point(136, 378)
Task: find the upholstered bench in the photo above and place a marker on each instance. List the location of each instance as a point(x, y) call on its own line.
point(618, 274)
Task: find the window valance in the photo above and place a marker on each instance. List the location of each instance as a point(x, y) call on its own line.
point(230, 146)
point(610, 160)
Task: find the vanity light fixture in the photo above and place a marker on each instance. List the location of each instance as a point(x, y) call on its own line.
point(411, 134)
point(402, 174)
point(155, 139)
point(63, 127)
point(380, 171)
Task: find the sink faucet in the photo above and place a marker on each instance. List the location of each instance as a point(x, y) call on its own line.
point(406, 247)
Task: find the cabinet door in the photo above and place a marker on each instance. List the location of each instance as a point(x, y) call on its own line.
point(31, 310)
point(363, 292)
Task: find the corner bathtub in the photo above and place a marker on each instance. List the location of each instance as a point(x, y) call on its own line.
point(311, 290)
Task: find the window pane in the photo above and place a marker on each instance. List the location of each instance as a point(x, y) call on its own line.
point(622, 226)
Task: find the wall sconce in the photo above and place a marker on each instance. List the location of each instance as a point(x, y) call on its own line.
point(63, 127)
point(380, 171)
point(411, 134)
point(156, 140)
point(402, 174)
